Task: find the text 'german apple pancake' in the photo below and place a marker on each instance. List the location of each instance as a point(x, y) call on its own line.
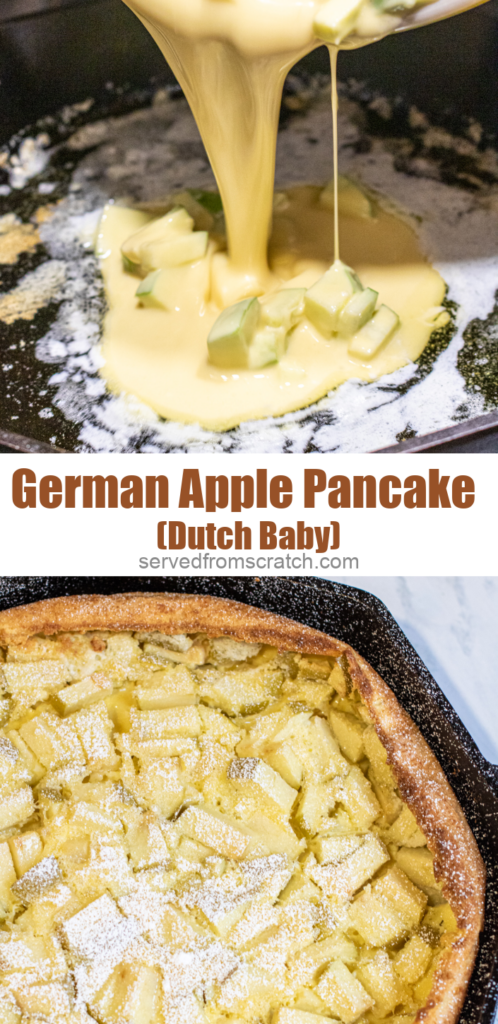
point(214, 815)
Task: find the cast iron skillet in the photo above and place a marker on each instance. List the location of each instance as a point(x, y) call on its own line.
point(57, 52)
point(363, 621)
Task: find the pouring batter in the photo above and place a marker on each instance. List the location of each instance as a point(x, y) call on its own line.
point(231, 58)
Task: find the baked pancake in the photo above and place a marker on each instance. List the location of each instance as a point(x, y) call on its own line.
point(211, 814)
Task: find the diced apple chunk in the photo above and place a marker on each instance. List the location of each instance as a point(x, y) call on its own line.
point(340, 881)
point(315, 802)
point(239, 692)
point(216, 830)
point(418, 864)
point(268, 725)
point(217, 902)
point(177, 287)
point(335, 19)
point(53, 740)
point(256, 919)
point(268, 345)
point(7, 872)
point(325, 299)
point(96, 929)
point(296, 930)
point(392, 907)
point(314, 745)
point(131, 994)
point(282, 758)
point(379, 979)
point(173, 687)
point(32, 682)
point(306, 964)
point(252, 775)
point(46, 1001)
point(338, 679)
point(10, 1011)
point(17, 807)
point(358, 797)
point(404, 830)
point(218, 726)
point(402, 895)
point(38, 880)
point(287, 1015)
point(146, 843)
point(413, 960)
point(30, 762)
point(225, 648)
point(377, 755)
point(268, 836)
point(376, 332)
point(332, 849)
point(161, 783)
point(283, 308)
point(22, 952)
point(343, 994)
point(423, 987)
point(357, 311)
point(176, 222)
point(191, 850)
point(230, 338)
point(94, 728)
point(84, 693)
point(309, 1001)
point(348, 731)
point(26, 849)
point(174, 252)
point(185, 1008)
point(172, 721)
point(375, 920)
point(326, 745)
point(114, 216)
point(176, 929)
point(191, 656)
point(389, 801)
point(441, 918)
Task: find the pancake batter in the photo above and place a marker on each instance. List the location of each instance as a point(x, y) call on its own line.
point(231, 58)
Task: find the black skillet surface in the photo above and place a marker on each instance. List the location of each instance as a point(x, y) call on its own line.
point(363, 621)
point(58, 52)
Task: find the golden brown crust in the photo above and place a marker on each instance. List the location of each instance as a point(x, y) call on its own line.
point(420, 778)
point(176, 613)
point(457, 861)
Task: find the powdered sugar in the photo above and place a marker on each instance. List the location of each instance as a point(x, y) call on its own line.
point(150, 152)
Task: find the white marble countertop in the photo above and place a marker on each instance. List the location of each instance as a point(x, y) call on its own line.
point(452, 622)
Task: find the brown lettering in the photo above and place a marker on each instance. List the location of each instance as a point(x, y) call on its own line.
point(315, 481)
point(340, 496)
point(24, 496)
point(281, 491)
point(133, 496)
point(416, 497)
point(362, 484)
point(438, 490)
point(463, 491)
point(216, 492)
point(191, 490)
point(157, 487)
point(101, 484)
point(386, 497)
